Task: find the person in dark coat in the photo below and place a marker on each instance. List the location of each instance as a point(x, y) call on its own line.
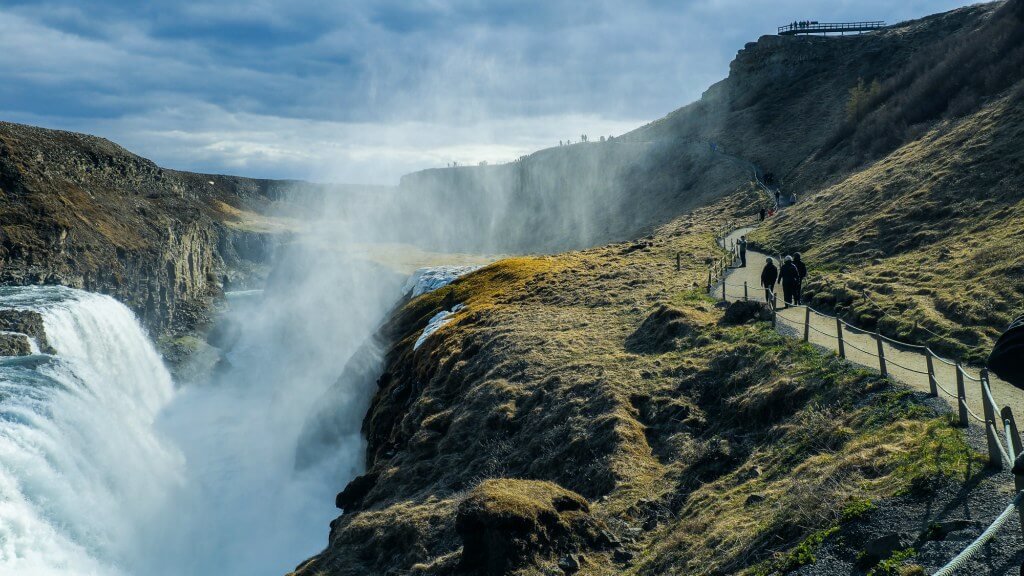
point(1007, 357)
point(789, 277)
point(778, 197)
point(802, 268)
point(768, 277)
point(743, 251)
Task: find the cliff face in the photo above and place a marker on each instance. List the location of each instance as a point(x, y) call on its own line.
point(782, 108)
point(83, 212)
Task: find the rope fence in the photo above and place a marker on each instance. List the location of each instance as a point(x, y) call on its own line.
point(1003, 448)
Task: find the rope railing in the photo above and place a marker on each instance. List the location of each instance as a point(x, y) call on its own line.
point(1003, 448)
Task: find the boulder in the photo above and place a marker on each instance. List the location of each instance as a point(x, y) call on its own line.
point(506, 524)
point(26, 322)
point(880, 548)
point(742, 312)
point(14, 345)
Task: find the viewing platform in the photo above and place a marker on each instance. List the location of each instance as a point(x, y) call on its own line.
point(825, 28)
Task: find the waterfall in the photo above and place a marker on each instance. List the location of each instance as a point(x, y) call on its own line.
point(108, 469)
point(80, 463)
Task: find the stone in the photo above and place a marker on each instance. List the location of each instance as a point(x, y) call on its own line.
point(882, 547)
point(569, 564)
point(622, 556)
point(14, 345)
point(753, 499)
point(26, 322)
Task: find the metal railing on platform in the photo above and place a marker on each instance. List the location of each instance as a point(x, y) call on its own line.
point(805, 27)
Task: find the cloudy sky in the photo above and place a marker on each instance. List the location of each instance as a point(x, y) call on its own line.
point(363, 91)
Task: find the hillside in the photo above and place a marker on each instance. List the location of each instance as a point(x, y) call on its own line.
point(783, 108)
point(924, 243)
point(593, 412)
point(83, 212)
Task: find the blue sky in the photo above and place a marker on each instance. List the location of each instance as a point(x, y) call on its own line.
point(364, 91)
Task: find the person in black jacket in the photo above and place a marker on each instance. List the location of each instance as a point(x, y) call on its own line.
point(802, 268)
point(789, 277)
point(768, 277)
point(743, 251)
point(1007, 358)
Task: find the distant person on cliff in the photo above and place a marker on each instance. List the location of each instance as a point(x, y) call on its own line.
point(802, 268)
point(762, 214)
point(789, 277)
point(778, 198)
point(768, 277)
point(743, 251)
point(1007, 358)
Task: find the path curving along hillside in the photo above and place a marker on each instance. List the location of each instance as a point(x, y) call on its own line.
point(906, 366)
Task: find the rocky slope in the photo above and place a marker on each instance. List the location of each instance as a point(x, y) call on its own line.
point(83, 212)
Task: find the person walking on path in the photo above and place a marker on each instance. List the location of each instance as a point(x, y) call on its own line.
point(802, 269)
point(778, 198)
point(762, 213)
point(1007, 357)
point(743, 251)
point(768, 277)
point(789, 277)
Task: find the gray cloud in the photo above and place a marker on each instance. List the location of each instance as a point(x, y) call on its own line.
point(367, 90)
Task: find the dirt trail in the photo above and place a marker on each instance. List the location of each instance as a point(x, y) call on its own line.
point(907, 366)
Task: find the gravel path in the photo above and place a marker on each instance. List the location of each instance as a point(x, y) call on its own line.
point(907, 366)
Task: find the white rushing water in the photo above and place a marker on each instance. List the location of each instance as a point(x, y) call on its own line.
point(108, 469)
point(81, 465)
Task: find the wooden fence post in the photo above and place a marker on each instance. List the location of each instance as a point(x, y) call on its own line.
point(995, 459)
point(723, 288)
point(746, 295)
point(807, 325)
point(961, 395)
point(1018, 471)
point(709, 280)
point(881, 356)
point(839, 335)
point(679, 261)
point(933, 385)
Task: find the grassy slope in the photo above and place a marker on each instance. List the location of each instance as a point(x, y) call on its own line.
point(667, 430)
point(932, 233)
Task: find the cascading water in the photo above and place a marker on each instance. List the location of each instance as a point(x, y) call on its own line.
point(107, 469)
point(81, 466)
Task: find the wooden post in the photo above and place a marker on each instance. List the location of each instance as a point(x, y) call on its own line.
point(723, 288)
point(679, 261)
point(709, 280)
point(746, 295)
point(995, 459)
point(1017, 455)
point(881, 356)
point(807, 324)
point(933, 385)
point(839, 334)
point(961, 395)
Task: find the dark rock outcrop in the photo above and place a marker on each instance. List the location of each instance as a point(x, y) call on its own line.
point(26, 322)
point(14, 345)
